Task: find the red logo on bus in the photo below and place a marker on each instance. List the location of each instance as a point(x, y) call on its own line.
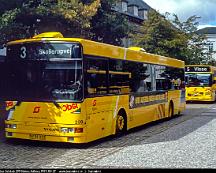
point(9, 103)
point(36, 109)
point(94, 103)
point(69, 107)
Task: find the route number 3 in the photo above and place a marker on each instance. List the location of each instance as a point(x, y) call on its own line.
point(23, 52)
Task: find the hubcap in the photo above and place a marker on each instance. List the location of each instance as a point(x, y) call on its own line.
point(120, 123)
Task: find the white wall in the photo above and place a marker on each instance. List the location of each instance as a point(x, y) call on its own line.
point(210, 42)
point(3, 52)
point(212, 39)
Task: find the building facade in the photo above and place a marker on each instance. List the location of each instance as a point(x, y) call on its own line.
point(210, 44)
point(137, 12)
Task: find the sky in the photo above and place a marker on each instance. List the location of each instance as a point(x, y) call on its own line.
point(206, 9)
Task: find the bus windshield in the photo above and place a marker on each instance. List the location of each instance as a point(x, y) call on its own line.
point(50, 79)
point(198, 79)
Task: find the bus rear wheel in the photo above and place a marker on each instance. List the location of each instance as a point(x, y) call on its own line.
point(171, 109)
point(120, 124)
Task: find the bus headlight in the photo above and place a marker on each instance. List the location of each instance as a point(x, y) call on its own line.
point(64, 130)
point(11, 126)
point(70, 130)
point(67, 130)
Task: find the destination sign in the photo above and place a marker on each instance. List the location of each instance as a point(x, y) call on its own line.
point(197, 69)
point(43, 51)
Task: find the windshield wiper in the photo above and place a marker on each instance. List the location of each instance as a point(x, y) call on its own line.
point(56, 104)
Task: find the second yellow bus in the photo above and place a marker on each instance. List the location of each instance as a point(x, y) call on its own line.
point(200, 82)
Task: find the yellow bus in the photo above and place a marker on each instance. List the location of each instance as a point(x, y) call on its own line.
point(200, 82)
point(76, 90)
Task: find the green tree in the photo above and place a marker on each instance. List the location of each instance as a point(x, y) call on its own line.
point(92, 19)
point(9, 5)
point(71, 17)
point(194, 47)
point(170, 37)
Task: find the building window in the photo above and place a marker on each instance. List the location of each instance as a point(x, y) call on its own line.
point(121, 6)
point(141, 13)
point(135, 10)
point(145, 14)
point(118, 6)
point(210, 47)
point(124, 6)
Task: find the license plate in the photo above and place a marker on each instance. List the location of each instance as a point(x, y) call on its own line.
point(37, 137)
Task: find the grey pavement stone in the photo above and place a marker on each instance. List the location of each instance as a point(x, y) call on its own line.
point(187, 145)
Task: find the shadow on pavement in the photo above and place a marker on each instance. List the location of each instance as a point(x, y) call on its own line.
point(45, 144)
point(200, 102)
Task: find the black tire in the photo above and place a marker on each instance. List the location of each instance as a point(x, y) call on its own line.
point(171, 109)
point(121, 124)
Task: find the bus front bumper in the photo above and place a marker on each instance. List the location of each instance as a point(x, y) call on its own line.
point(50, 133)
point(199, 98)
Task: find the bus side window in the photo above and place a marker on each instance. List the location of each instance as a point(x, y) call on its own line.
point(169, 78)
point(118, 78)
point(140, 77)
point(91, 86)
point(95, 77)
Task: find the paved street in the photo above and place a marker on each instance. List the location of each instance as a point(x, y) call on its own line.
point(186, 141)
point(190, 144)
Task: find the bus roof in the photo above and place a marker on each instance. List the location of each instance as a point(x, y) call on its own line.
point(106, 50)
